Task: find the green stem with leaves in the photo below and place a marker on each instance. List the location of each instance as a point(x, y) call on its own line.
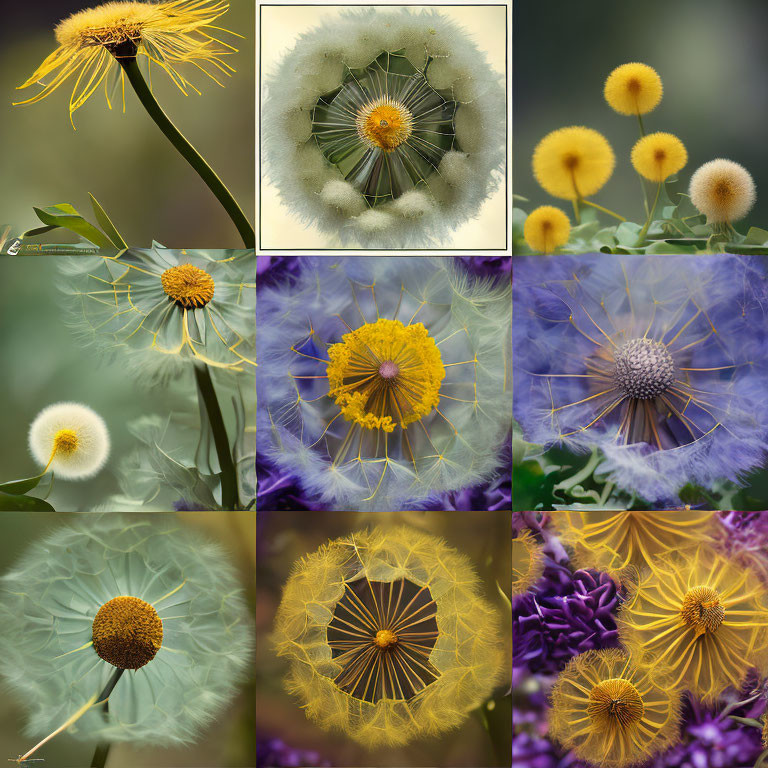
point(187, 151)
point(644, 230)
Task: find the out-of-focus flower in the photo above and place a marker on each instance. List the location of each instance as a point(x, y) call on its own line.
point(701, 614)
point(165, 309)
point(546, 229)
point(377, 629)
point(656, 362)
point(527, 562)
point(275, 753)
point(383, 382)
point(633, 89)
point(744, 537)
point(70, 439)
point(565, 615)
point(658, 156)
point(723, 191)
point(573, 162)
point(93, 41)
point(611, 540)
point(384, 128)
point(141, 594)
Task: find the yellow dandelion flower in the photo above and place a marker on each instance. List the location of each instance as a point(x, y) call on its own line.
point(722, 190)
point(387, 636)
point(527, 562)
point(573, 162)
point(633, 89)
point(613, 711)
point(611, 540)
point(702, 614)
point(546, 229)
point(95, 41)
point(659, 155)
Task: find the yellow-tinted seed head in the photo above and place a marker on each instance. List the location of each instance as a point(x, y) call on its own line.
point(127, 632)
point(188, 286)
point(546, 229)
point(65, 441)
point(722, 190)
point(701, 609)
point(614, 702)
point(658, 156)
point(527, 562)
point(633, 89)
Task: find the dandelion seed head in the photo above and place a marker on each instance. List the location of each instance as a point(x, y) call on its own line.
point(658, 156)
point(633, 89)
point(546, 229)
point(127, 632)
point(644, 368)
point(573, 162)
point(614, 703)
point(188, 285)
point(722, 190)
point(71, 439)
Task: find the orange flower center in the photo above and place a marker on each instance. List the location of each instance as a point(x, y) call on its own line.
point(188, 286)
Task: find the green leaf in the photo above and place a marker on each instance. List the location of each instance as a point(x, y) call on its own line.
point(11, 503)
point(106, 224)
point(64, 215)
point(756, 236)
point(747, 721)
point(38, 231)
point(20, 486)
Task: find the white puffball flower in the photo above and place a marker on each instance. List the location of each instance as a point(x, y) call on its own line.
point(722, 190)
point(71, 439)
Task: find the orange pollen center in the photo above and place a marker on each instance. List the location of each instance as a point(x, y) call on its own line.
point(633, 86)
point(384, 124)
point(385, 638)
point(189, 286)
point(660, 155)
point(127, 632)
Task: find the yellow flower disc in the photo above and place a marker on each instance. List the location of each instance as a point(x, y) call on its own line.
point(614, 711)
point(127, 632)
point(658, 156)
point(385, 374)
point(188, 285)
point(703, 615)
point(546, 229)
point(384, 124)
point(527, 562)
point(633, 89)
point(573, 162)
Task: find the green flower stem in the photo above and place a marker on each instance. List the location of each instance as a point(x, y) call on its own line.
point(187, 151)
point(576, 213)
point(642, 183)
point(102, 749)
point(604, 210)
point(640, 122)
point(647, 224)
point(229, 494)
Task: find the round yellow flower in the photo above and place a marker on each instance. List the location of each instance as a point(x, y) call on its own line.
point(546, 229)
point(659, 155)
point(527, 562)
point(614, 711)
point(573, 162)
point(633, 89)
point(722, 190)
point(703, 615)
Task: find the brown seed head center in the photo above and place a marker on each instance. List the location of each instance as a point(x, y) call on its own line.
point(571, 161)
point(127, 632)
point(634, 86)
point(188, 286)
point(614, 702)
point(385, 638)
point(702, 610)
point(65, 441)
point(723, 190)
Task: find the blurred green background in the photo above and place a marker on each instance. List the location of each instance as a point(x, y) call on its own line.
point(712, 60)
point(284, 537)
point(123, 159)
point(229, 742)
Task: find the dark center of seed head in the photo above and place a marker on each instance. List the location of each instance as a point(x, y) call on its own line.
point(388, 370)
point(383, 123)
point(644, 369)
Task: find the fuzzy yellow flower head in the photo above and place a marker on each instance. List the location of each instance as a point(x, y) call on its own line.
point(633, 89)
point(387, 636)
point(722, 190)
point(527, 562)
point(614, 711)
point(702, 614)
point(546, 229)
point(611, 540)
point(93, 42)
point(573, 162)
point(658, 156)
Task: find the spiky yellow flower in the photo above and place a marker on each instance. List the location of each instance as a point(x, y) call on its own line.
point(633, 89)
point(573, 162)
point(611, 540)
point(702, 614)
point(527, 562)
point(546, 229)
point(94, 41)
point(387, 636)
point(612, 711)
point(659, 155)
point(722, 190)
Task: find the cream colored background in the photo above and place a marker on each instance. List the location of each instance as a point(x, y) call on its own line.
point(280, 28)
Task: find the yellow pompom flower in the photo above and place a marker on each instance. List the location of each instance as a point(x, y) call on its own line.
point(633, 89)
point(387, 636)
point(546, 229)
point(527, 562)
point(702, 614)
point(722, 190)
point(659, 155)
point(610, 540)
point(614, 711)
point(573, 162)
